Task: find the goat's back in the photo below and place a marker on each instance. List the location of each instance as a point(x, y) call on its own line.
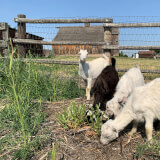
point(146, 99)
point(104, 86)
point(131, 79)
point(96, 66)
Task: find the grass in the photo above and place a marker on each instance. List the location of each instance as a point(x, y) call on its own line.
point(124, 63)
point(149, 148)
point(23, 87)
point(75, 116)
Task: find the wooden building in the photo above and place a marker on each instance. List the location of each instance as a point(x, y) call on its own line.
point(84, 33)
point(146, 54)
point(34, 49)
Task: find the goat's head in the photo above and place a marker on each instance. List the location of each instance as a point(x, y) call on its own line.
point(114, 106)
point(83, 55)
point(108, 132)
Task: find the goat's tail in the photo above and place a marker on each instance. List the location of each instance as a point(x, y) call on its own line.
point(107, 57)
point(137, 66)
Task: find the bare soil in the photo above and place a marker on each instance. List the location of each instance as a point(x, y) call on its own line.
point(83, 143)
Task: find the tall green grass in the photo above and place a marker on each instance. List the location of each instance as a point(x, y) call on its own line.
point(23, 86)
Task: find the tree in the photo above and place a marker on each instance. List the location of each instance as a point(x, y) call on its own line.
point(121, 54)
point(157, 51)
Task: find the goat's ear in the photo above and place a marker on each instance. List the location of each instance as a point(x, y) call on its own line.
point(124, 99)
point(119, 100)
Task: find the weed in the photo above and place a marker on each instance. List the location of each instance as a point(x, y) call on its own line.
point(53, 153)
point(151, 148)
point(96, 120)
point(22, 85)
point(73, 116)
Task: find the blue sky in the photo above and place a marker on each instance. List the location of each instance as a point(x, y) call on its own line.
point(74, 8)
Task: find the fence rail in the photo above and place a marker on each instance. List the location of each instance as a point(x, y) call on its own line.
point(25, 20)
point(122, 25)
point(105, 46)
point(114, 47)
point(50, 61)
point(30, 41)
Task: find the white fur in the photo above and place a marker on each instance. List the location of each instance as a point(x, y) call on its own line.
point(142, 105)
point(89, 71)
point(131, 79)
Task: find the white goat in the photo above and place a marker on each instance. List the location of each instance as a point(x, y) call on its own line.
point(131, 79)
point(142, 105)
point(89, 71)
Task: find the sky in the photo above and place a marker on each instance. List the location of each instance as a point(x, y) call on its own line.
point(9, 9)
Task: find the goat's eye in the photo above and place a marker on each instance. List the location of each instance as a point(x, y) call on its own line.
point(107, 136)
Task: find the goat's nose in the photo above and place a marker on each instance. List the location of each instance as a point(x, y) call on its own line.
point(84, 59)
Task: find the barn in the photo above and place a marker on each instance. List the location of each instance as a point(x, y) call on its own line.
point(86, 33)
point(146, 54)
point(34, 49)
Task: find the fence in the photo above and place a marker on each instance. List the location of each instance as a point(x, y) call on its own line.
point(111, 33)
point(110, 40)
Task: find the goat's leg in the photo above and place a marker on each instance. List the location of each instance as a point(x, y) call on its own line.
point(134, 128)
point(149, 127)
point(89, 84)
point(85, 82)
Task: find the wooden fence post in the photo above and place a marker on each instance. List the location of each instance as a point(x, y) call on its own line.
point(5, 38)
point(21, 35)
point(107, 39)
point(115, 41)
point(111, 37)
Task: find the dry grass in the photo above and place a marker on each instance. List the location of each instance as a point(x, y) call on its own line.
point(122, 62)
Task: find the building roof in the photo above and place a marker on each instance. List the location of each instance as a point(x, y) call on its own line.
point(28, 35)
point(80, 33)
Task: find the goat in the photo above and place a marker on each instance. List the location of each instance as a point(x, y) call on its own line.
point(103, 90)
point(131, 79)
point(142, 105)
point(104, 86)
point(89, 71)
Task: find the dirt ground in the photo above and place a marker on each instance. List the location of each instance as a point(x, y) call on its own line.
point(84, 144)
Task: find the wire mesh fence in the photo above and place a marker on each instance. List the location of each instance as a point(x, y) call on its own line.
point(94, 32)
point(138, 36)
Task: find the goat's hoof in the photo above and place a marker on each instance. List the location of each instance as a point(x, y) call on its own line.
point(88, 98)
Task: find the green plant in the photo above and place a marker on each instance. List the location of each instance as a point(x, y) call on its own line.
point(53, 153)
point(96, 120)
point(73, 116)
point(150, 147)
point(121, 54)
point(21, 116)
